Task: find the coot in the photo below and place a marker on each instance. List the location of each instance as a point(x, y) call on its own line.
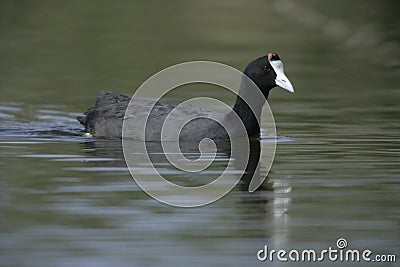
point(105, 118)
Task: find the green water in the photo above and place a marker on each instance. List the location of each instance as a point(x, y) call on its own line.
point(68, 200)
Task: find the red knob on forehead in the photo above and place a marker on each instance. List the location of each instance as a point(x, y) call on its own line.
point(273, 56)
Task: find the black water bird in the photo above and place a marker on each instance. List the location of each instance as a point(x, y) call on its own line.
point(105, 118)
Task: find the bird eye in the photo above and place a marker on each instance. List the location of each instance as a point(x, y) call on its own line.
point(266, 68)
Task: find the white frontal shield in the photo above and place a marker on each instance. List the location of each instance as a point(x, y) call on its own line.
point(281, 79)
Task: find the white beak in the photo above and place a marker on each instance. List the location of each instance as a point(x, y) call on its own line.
point(281, 79)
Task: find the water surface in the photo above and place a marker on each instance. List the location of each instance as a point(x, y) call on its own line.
point(68, 200)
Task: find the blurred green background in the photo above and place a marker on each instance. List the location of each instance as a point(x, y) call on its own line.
point(65, 52)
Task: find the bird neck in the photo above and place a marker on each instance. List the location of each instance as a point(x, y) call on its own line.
point(249, 111)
